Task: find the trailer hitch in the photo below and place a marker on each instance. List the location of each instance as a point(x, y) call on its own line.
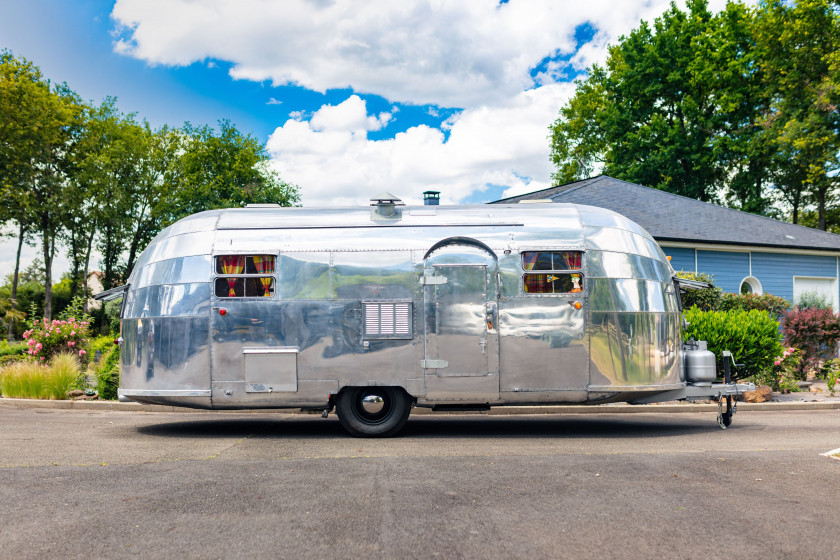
point(724, 419)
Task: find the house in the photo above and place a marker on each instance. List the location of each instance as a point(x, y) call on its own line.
point(744, 252)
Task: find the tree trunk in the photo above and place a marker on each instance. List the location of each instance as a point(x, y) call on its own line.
point(45, 249)
point(21, 234)
point(87, 267)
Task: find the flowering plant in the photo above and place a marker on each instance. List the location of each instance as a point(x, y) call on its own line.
point(47, 338)
point(784, 370)
point(831, 372)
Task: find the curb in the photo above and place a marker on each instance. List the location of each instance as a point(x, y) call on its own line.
point(663, 408)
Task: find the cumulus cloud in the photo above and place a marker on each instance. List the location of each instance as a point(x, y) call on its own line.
point(449, 53)
point(332, 156)
point(479, 57)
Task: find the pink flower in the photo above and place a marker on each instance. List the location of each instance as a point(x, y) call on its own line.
point(82, 352)
point(73, 333)
point(778, 362)
point(42, 358)
point(39, 346)
point(71, 344)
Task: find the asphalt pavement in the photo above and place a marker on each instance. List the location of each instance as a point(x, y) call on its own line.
point(141, 484)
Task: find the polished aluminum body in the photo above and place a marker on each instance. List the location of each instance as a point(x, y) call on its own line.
point(430, 299)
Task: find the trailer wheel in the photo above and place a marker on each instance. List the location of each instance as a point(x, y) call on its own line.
point(372, 411)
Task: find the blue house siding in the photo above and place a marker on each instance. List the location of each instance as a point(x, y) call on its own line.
point(681, 259)
point(727, 268)
point(775, 271)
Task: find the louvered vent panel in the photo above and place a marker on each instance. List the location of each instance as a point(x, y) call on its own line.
point(387, 319)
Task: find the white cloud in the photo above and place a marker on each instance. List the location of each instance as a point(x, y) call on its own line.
point(476, 55)
point(331, 156)
point(449, 53)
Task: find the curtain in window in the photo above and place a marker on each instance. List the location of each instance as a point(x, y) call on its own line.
point(264, 264)
point(572, 259)
point(530, 259)
point(232, 264)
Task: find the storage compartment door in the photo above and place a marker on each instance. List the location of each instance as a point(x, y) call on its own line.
point(270, 370)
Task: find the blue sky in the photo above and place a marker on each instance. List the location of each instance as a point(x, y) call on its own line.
point(351, 98)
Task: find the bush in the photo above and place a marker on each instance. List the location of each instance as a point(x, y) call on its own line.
point(13, 348)
point(783, 376)
point(49, 338)
point(32, 380)
point(752, 336)
point(812, 300)
point(108, 374)
point(815, 332)
point(775, 305)
point(706, 300)
point(830, 371)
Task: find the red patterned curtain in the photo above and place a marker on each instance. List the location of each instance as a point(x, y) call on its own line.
point(264, 264)
point(530, 259)
point(232, 264)
point(572, 259)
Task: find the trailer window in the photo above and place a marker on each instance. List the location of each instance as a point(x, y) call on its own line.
point(243, 276)
point(555, 276)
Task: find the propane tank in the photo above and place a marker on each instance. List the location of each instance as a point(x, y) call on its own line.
point(699, 367)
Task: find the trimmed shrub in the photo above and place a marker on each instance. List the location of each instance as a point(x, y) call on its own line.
point(108, 374)
point(815, 332)
point(752, 336)
point(706, 300)
point(775, 305)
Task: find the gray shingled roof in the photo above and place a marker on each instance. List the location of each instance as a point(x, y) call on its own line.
point(670, 217)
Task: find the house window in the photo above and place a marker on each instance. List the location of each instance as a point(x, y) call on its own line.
point(559, 272)
point(244, 276)
point(751, 285)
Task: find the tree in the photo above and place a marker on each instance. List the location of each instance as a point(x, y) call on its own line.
point(219, 171)
point(35, 128)
point(800, 43)
point(739, 106)
point(650, 115)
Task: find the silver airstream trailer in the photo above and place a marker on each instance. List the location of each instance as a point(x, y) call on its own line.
point(376, 310)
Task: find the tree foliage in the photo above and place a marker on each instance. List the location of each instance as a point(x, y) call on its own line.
point(739, 107)
point(87, 176)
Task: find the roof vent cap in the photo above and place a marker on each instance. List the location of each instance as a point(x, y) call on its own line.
point(384, 207)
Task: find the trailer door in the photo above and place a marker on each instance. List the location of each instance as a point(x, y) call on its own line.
point(461, 337)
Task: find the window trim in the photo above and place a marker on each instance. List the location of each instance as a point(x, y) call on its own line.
point(580, 271)
point(754, 284)
point(217, 275)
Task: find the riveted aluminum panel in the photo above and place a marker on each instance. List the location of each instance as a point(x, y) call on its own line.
point(184, 270)
point(173, 300)
point(165, 353)
point(609, 264)
point(634, 349)
point(626, 295)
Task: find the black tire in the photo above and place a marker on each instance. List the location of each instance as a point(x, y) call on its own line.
point(373, 411)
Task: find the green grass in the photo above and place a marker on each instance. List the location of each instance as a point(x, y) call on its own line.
point(31, 380)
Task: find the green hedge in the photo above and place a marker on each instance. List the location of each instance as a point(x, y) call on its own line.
point(752, 336)
point(108, 374)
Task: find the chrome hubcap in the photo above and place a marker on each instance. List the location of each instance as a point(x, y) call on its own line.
point(373, 404)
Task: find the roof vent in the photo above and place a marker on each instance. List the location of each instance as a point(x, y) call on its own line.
point(384, 207)
point(431, 198)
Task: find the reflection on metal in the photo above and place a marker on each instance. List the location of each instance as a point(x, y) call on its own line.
point(430, 300)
